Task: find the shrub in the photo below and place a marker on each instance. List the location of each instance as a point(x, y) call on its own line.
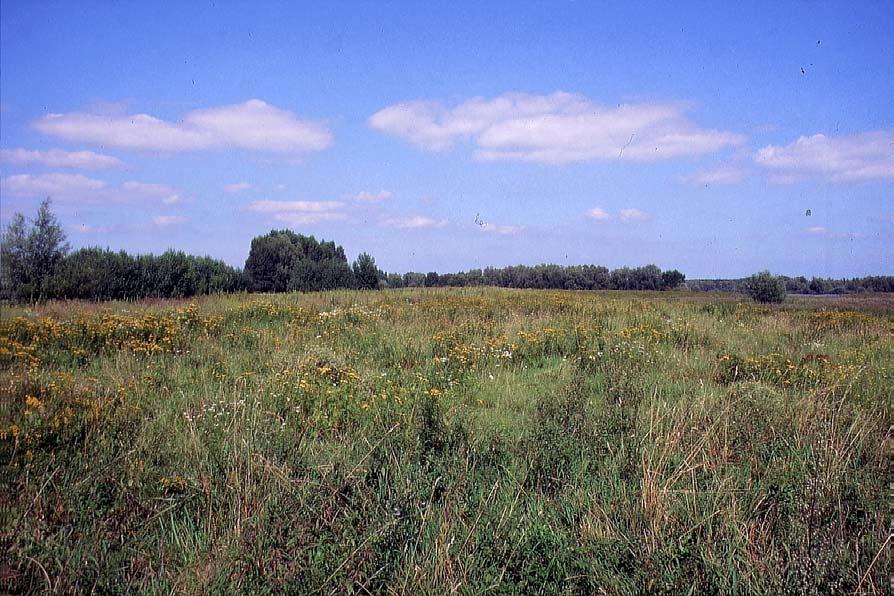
point(765, 288)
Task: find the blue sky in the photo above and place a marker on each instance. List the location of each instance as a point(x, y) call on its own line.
point(446, 136)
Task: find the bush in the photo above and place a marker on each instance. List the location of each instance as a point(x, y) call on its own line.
point(765, 288)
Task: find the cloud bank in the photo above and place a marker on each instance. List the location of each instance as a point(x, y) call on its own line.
point(598, 214)
point(633, 215)
point(414, 222)
point(502, 230)
point(80, 188)
point(552, 129)
point(300, 212)
point(57, 158)
point(253, 125)
point(861, 157)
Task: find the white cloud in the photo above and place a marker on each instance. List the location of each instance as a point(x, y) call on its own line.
point(253, 125)
point(80, 188)
point(300, 212)
point(554, 129)
point(267, 206)
point(280, 187)
point(167, 194)
point(860, 157)
point(57, 186)
point(168, 220)
point(296, 218)
point(722, 175)
point(414, 221)
point(57, 158)
point(633, 215)
point(505, 230)
point(817, 230)
point(237, 187)
point(372, 197)
point(598, 214)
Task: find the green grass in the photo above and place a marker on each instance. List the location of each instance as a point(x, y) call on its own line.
point(422, 441)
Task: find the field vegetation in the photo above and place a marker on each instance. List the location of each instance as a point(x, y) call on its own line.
point(448, 440)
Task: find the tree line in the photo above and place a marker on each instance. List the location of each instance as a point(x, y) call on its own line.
point(802, 285)
point(558, 277)
point(36, 264)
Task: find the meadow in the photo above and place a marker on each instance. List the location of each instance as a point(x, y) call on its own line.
point(448, 440)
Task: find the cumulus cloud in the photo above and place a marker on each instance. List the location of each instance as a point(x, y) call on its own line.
point(633, 215)
point(598, 214)
point(296, 218)
point(722, 175)
point(860, 157)
point(254, 125)
point(167, 194)
point(372, 197)
point(237, 187)
point(553, 129)
point(504, 230)
point(59, 186)
point(168, 220)
point(80, 188)
point(414, 221)
point(267, 206)
point(300, 212)
point(57, 158)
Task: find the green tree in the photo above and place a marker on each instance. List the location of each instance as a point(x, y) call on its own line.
point(14, 259)
point(366, 272)
point(285, 261)
point(764, 287)
point(671, 279)
point(30, 262)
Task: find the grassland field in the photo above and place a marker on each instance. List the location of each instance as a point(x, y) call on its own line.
point(448, 441)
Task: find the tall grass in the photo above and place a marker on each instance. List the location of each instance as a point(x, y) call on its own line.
point(473, 440)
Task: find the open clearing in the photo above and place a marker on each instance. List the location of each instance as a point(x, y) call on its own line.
point(421, 441)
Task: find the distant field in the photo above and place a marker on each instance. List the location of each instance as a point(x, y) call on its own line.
point(453, 440)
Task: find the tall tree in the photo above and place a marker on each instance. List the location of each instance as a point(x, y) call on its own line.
point(47, 246)
point(30, 261)
point(366, 272)
point(14, 259)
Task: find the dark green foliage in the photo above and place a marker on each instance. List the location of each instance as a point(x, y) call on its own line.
point(765, 288)
point(671, 279)
point(800, 285)
point(285, 261)
point(36, 266)
point(366, 273)
point(30, 260)
point(102, 274)
point(556, 277)
point(14, 272)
